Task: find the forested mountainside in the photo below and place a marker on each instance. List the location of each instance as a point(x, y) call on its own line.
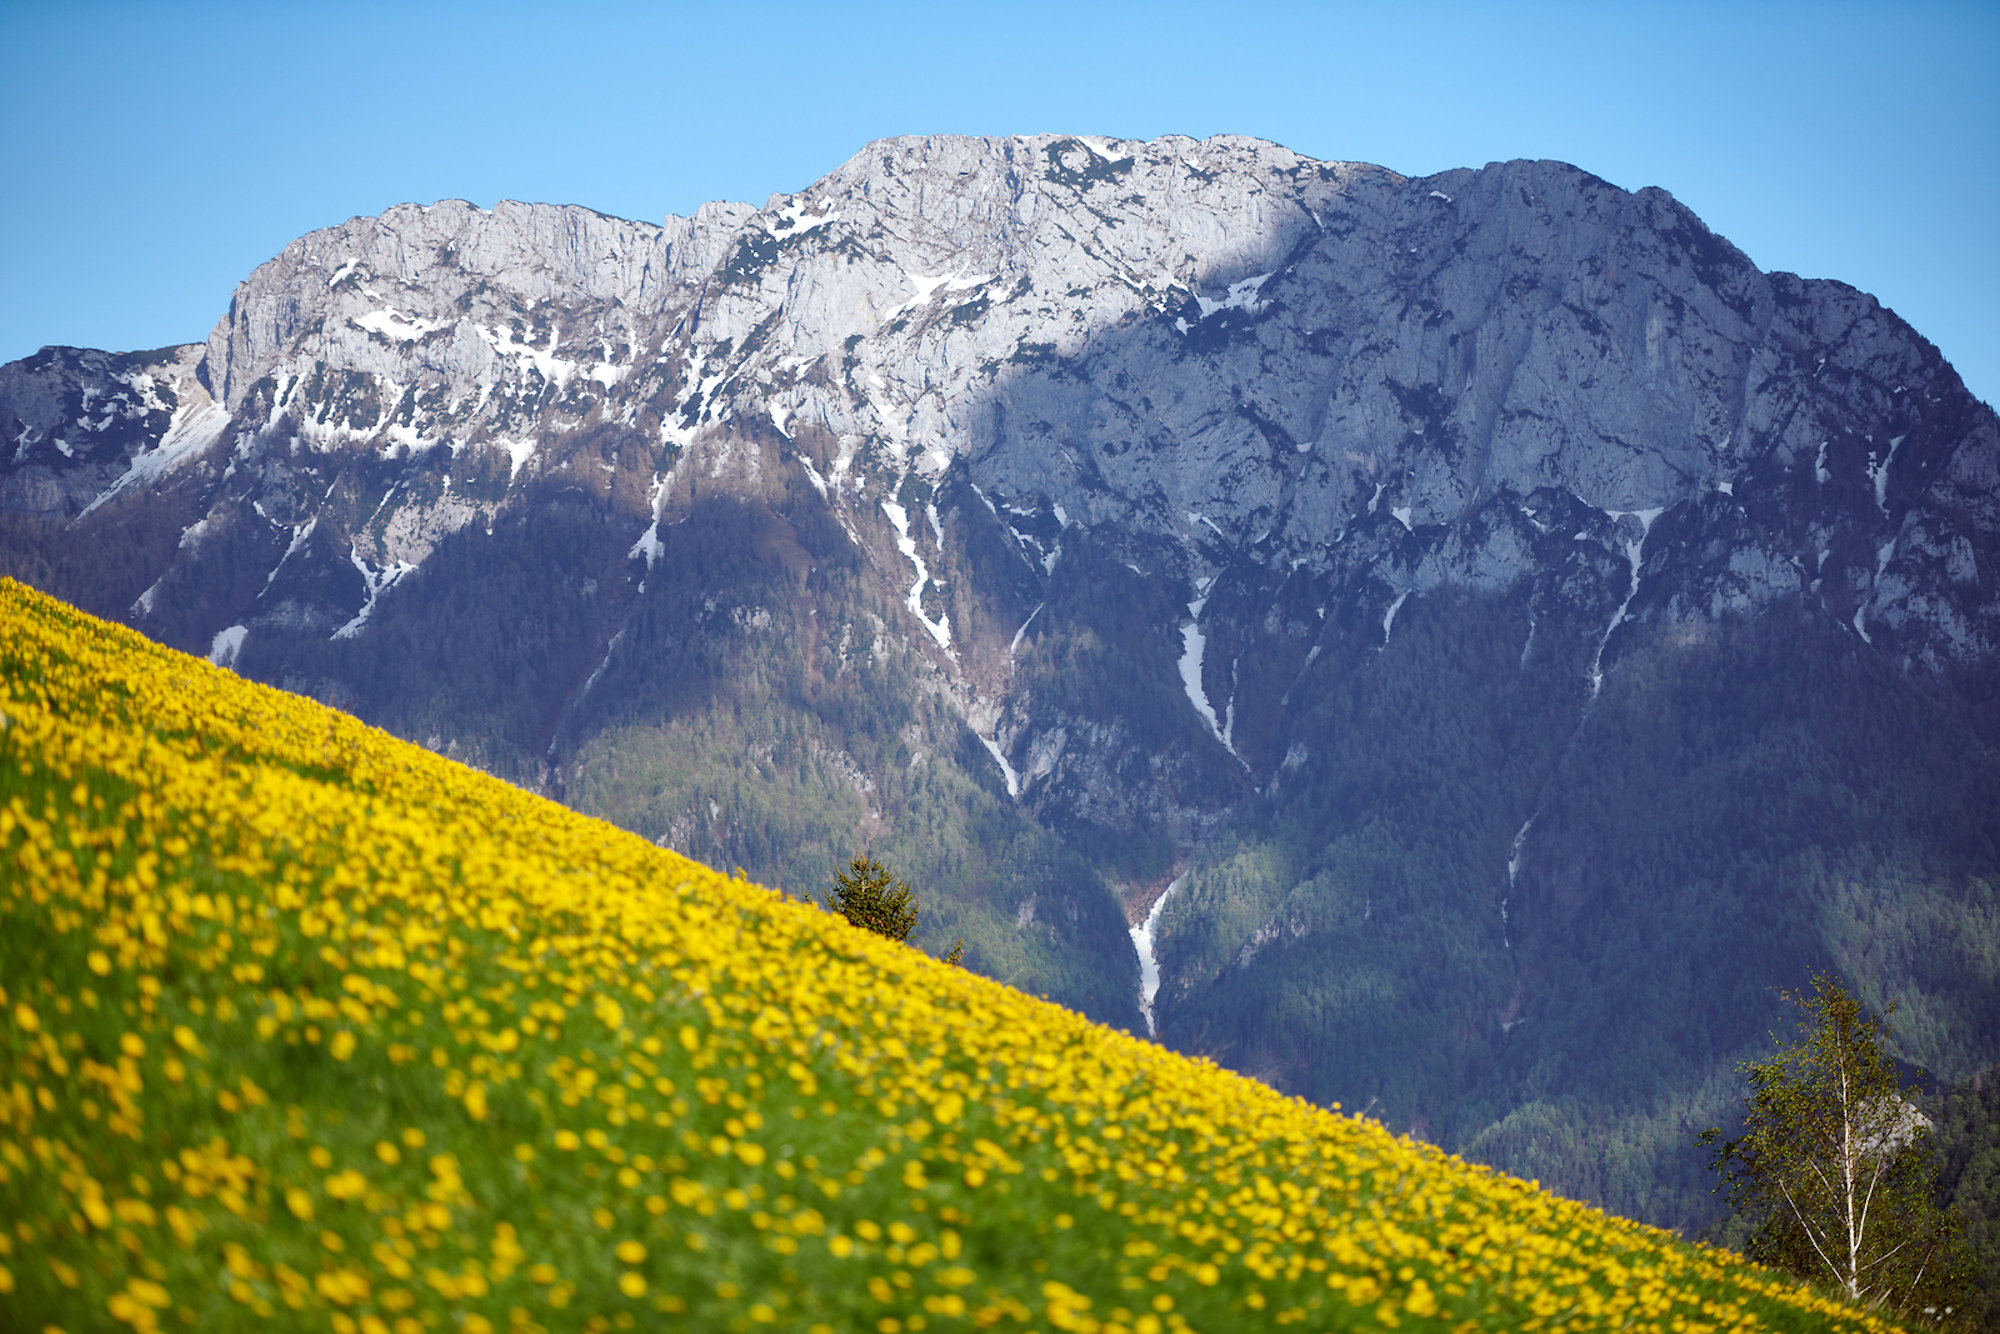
point(1967, 1119)
point(1490, 631)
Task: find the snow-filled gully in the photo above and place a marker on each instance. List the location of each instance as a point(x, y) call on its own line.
point(1635, 553)
point(941, 627)
point(1149, 967)
point(1192, 645)
point(992, 743)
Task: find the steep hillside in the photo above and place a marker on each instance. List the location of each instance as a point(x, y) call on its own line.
point(1519, 631)
point(604, 1085)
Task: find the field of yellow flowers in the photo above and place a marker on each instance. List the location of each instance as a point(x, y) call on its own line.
point(304, 1026)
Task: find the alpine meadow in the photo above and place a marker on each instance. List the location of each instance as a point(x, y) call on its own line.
point(307, 1024)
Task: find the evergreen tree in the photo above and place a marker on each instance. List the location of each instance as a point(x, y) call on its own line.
point(1835, 1170)
point(873, 897)
point(1968, 1134)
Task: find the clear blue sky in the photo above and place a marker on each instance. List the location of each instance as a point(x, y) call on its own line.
point(152, 154)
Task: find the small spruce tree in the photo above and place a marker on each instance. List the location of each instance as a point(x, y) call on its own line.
point(873, 897)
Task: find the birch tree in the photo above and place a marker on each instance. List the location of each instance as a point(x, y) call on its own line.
point(1835, 1169)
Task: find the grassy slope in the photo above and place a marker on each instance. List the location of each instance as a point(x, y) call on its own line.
point(304, 1022)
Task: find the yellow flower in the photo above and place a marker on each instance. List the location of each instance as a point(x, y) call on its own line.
point(348, 1185)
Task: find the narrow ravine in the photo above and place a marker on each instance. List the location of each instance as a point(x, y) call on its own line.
point(1635, 554)
point(1149, 967)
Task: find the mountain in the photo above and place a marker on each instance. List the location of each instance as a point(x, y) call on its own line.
point(1486, 630)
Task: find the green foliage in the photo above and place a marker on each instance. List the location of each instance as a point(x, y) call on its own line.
point(1836, 1168)
point(1342, 934)
point(1745, 800)
point(1968, 1138)
point(874, 898)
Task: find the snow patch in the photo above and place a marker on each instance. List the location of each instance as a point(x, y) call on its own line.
point(1006, 769)
point(143, 604)
point(1634, 553)
point(1878, 473)
point(1149, 967)
point(793, 220)
point(518, 452)
point(941, 628)
point(377, 582)
point(602, 663)
point(1242, 295)
point(191, 432)
point(394, 327)
point(1015, 647)
point(554, 369)
point(300, 536)
point(927, 286)
point(1389, 616)
point(227, 644)
point(1229, 710)
point(1192, 644)
point(1514, 859)
point(1513, 876)
point(649, 544)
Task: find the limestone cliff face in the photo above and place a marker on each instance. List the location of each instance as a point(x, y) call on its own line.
point(1138, 451)
point(1217, 346)
point(79, 423)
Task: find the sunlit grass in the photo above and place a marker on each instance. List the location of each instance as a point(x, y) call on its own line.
point(305, 1025)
